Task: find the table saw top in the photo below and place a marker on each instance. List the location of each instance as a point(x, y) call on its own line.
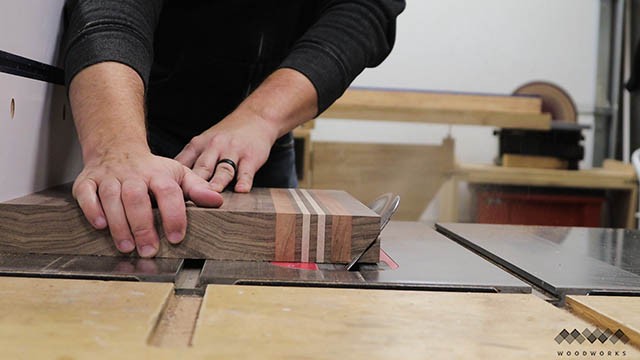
point(561, 260)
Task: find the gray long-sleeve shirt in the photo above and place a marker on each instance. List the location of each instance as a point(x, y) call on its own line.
point(199, 59)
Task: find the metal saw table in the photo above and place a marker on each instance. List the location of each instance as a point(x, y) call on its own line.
point(415, 257)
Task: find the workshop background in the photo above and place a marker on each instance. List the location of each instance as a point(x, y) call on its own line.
point(488, 47)
point(303, 274)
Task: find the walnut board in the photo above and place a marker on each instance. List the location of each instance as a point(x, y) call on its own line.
point(292, 225)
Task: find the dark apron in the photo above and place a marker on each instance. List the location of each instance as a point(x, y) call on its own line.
point(209, 56)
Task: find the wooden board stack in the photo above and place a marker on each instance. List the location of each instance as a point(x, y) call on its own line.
point(290, 225)
point(505, 111)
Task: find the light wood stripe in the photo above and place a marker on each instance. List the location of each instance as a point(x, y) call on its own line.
point(285, 237)
point(306, 226)
point(321, 226)
point(341, 226)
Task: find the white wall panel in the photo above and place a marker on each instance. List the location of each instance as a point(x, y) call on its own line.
point(493, 46)
point(31, 28)
point(38, 147)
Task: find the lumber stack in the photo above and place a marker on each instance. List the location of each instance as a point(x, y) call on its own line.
point(522, 112)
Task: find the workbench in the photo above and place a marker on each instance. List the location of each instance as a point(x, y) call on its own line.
point(619, 181)
point(349, 165)
point(461, 291)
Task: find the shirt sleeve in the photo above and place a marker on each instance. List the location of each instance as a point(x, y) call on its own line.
point(633, 84)
point(110, 30)
point(347, 37)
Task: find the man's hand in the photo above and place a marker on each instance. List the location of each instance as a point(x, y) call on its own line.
point(242, 137)
point(120, 174)
point(283, 101)
point(115, 190)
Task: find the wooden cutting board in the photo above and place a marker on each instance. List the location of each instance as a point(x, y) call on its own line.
point(292, 225)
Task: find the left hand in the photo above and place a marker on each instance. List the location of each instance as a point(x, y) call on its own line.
point(243, 137)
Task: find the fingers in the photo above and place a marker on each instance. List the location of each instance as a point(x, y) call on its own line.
point(246, 172)
point(244, 146)
point(199, 190)
point(118, 195)
point(137, 206)
point(224, 174)
point(128, 211)
point(109, 192)
point(188, 155)
point(172, 208)
point(86, 194)
point(205, 164)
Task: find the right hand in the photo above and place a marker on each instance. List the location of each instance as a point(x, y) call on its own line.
point(113, 191)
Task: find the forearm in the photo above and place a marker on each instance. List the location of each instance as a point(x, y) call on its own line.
point(347, 37)
point(107, 100)
point(283, 101)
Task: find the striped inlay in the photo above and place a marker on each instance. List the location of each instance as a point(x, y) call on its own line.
point(311, 226)
point(306, 225)
point(341, 226)
point(321, 225)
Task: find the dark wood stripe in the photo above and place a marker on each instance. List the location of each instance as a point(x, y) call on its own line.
point(285, 239)
point(341, 239)
point(341, 227)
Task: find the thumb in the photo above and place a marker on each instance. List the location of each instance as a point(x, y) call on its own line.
point(199, 190)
